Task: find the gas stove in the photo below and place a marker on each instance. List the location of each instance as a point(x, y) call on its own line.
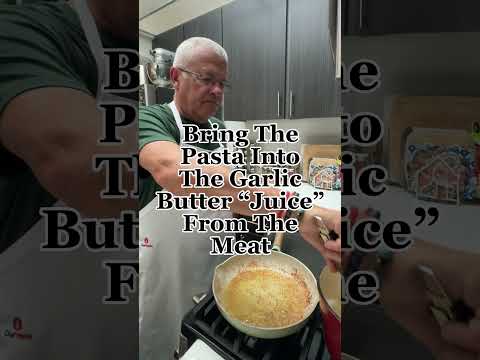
point(205, 324)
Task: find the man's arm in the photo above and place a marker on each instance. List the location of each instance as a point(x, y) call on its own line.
point(56, 132)
point(162, 160)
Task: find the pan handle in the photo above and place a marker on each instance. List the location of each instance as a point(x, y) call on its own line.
point(278, 242)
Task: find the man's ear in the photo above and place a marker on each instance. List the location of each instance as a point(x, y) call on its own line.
point(174, 74)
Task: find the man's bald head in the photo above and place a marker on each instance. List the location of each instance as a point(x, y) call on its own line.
point(191, 49)
point(198, 75)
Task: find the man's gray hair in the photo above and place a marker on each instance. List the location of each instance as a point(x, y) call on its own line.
point(186, 51)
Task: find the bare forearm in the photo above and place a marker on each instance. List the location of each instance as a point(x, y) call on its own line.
point(81, 188)
point(59, 145)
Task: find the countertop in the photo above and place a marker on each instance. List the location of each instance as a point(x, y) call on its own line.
point(332, 199)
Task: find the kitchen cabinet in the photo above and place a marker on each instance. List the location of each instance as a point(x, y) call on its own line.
point(169, 40)
point(377, 17)
point(281, 57)
point(254, 33)
point(208, 25)
point(311, 84)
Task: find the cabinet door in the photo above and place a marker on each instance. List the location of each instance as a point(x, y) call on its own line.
point(311, 86)
point(169, 40)
point(376, 17)
point(254, 35)
point(208, 25)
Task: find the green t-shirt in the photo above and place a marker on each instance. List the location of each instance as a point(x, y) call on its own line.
point(157, 123)
point(41, 45)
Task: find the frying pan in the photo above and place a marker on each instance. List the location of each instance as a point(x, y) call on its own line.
point(277, 262)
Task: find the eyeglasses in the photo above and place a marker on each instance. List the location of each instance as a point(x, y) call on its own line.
point(207, 80)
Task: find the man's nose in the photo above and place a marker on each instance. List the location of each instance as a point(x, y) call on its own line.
point(217, 89)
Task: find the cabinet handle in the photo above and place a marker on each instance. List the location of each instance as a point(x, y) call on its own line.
point(291, 103)
point(278, 104)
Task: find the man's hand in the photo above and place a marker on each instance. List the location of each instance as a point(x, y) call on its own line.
point(310, 231)
point(465, 337)
point(404, 298)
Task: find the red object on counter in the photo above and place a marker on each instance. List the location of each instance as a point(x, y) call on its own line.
point(333, 335)
point(353, 215)
point(329, 286)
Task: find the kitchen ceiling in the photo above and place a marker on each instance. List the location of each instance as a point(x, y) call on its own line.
point(158, 16)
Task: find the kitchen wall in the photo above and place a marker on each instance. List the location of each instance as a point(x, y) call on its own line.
point(312, 131)
point(323, 131)
point(415, 64)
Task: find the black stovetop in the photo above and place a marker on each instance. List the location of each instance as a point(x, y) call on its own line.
point(205, 322)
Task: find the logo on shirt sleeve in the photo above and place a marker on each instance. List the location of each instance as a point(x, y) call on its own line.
point(146, 243)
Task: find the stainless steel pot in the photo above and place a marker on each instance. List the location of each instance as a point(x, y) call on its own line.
point(158, 71)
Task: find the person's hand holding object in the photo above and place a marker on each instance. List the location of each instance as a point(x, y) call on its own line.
point(311, 228)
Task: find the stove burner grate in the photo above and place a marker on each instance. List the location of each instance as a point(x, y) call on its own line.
point(205, 322)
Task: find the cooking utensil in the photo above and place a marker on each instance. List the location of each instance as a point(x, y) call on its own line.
point(277, 262)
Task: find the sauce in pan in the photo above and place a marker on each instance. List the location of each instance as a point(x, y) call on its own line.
point(266, 298)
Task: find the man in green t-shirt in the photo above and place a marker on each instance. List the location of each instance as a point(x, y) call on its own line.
point(198, 76)
point(175, 265)
point(51, 66)
point(49, 122)
point(157, 123)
